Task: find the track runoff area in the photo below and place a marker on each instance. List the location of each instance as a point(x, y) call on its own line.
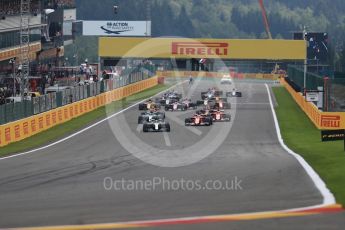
point(231, 174)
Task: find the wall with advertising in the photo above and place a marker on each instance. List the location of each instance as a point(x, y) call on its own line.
point(117, 28)
point(19, 130)
point(15, 52)
point(250, 49)
point(219, 75)
point(322, 120)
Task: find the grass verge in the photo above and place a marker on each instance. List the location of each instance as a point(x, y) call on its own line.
point(76, 124)
point(300, 134)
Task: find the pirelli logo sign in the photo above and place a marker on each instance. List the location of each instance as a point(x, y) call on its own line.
point(200, 48)
point(330, 121)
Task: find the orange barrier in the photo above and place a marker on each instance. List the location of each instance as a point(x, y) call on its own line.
point(322, 120)
point(218, 75)
point(27, 127)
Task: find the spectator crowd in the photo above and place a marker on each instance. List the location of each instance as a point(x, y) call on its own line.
point(4, 93)
point(12, 7)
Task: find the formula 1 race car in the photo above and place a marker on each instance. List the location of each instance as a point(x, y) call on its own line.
point(149, 116)
point(166, 101)
point(198, 120)
point(177, 106)
point(213, 101)
point(172, 95)
point(226, 81)
point(204, 113)
point(234, 93)
point(156, 125)
point(219, 115)
point(211, 94)
point(189, 103)
point(219, 105)
point(149, 105)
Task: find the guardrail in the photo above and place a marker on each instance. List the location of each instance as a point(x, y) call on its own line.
point(24, 128)
point(219, 75)
point(19, 110)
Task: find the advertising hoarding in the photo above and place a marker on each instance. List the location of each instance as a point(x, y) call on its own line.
point(117, 28)
point(251, 49)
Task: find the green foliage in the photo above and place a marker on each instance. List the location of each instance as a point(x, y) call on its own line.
point(300, 134)
point(220, 18)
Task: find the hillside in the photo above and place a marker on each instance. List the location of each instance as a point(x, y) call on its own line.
point(224, 18)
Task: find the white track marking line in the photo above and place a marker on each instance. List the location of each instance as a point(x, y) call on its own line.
point(328, 198)
point(139, 128)
point(89, 127)
point(329, 201)
point(166, 139)
point(194, 130)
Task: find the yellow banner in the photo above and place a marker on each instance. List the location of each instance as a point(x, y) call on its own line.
point(15, 52)
point(218, 75)
point(322, 120)
point(202, 48)
point(19, 130)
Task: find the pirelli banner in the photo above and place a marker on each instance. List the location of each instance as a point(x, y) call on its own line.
point(322, 120)
point(202, 48)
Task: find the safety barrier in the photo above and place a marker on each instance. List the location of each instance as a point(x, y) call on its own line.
point(27, 127)
point(218, 75)
point(322, 120)
point(14, 111)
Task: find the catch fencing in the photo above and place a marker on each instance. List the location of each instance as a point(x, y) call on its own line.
point(15, 111)
point(333, 85)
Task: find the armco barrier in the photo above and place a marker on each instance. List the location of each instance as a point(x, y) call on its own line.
point(218, 75)
point(322, 120)
point(21, 129)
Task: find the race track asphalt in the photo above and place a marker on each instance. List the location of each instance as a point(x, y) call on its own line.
point(64, 184)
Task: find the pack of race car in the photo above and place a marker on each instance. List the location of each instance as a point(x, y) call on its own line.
point(152, 119)
point(217, 103)
point(214, 110)
point(214, 106)
point(206, 117)
point(172, 101)
point(168, 98)
point(149, 116)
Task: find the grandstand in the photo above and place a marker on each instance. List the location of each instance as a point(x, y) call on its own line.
point(51, 27)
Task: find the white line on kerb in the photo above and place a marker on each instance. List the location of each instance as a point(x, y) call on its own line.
point(328, 198)
point(87, 128)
